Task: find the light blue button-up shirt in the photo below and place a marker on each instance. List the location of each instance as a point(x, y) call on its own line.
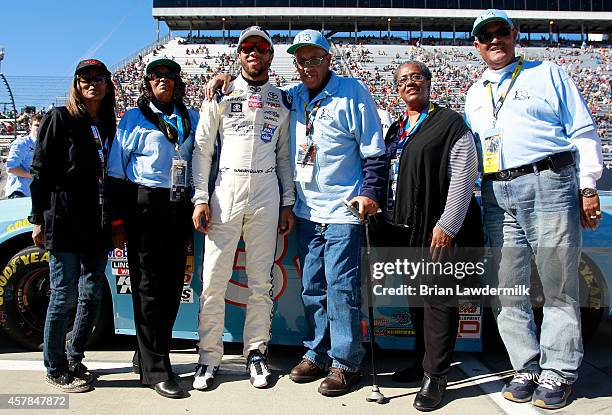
point(20, 155)
point(541, 115)
point(142, 154)
point(346, 130)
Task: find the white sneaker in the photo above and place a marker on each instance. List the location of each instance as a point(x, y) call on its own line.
point(257, 366)
point(204, 376)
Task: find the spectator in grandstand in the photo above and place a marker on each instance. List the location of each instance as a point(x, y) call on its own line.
point(70, 220)
point(537, 189)
point(245, 200)
point(337, 151)
point(429, 204)
point(19, 161)
point(149, 192)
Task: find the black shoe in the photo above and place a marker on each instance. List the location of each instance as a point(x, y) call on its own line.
point(136, 368)
point(67, 383)
point(170, 389)
point(431, 393)
point(410, 374)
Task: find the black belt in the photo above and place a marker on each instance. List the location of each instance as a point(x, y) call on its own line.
point(554, 162)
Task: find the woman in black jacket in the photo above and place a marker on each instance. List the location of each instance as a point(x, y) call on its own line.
point(429, 208)
point(68, 213)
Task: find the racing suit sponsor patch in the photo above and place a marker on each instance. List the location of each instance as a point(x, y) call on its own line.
point(267, 132)
point(255, 101)
point(236, 107)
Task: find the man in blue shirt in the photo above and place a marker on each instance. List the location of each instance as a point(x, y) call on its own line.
point(19, 161)
point(540, 157)
point(337, 149)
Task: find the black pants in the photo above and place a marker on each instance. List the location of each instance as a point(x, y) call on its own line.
point(435, 320)
point(157, 233)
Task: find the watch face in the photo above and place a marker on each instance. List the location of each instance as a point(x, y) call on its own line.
point(588, 192)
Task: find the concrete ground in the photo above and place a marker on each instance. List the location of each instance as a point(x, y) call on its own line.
point(474, 384)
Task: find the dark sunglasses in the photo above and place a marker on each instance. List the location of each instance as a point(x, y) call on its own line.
point(154, 76)
point(486, 37)
point(93, 79)
point(248, 47)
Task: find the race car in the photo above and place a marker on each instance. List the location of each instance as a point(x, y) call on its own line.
point(24, 291)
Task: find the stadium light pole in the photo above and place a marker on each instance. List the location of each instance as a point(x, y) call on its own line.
point(223, 27)
point(550, 35)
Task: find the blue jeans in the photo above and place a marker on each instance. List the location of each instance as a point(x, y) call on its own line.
point(538, 214)
point(73, 277)
point(331, 292)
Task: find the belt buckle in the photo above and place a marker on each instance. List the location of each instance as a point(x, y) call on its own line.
point(503, 175)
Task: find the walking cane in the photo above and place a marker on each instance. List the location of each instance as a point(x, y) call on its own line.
point(375, 395)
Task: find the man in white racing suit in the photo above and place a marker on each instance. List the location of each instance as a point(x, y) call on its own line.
point(247, 131)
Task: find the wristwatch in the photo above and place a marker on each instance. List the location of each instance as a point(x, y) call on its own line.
point(588, 192)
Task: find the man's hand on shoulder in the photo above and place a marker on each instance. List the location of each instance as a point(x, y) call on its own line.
point(220, 81)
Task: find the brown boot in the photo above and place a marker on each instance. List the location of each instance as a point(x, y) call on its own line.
point(339, 382)
point(306, 371)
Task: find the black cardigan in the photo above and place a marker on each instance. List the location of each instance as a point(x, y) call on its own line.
point(423, 182)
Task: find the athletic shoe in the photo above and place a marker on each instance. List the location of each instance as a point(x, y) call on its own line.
point(257, 367)
point(66, 382)
point(521, 387)
point(80, 371)
point(204, 376)
point(551, 394)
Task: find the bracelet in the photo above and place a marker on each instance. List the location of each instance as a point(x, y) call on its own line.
point(117, 222)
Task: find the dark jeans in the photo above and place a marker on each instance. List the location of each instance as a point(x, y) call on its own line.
point(76, 281)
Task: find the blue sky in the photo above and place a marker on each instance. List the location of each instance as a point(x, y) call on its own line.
point(50, 37)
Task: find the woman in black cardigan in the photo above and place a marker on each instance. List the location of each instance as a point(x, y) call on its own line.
point(429, 207)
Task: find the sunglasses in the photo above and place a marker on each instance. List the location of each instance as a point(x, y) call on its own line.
point(154, 76)
point(93, 79)
point(486, 37)
point(248, 47)
point(415, 77)
point(309, 63)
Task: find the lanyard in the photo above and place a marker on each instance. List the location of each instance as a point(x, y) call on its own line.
point(502, 97)
point(310, 117)
point(99, 146)
point(409, 131)
point(178, 125)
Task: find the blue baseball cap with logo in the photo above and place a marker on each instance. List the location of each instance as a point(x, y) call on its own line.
point(309, 37)
point(488, 16)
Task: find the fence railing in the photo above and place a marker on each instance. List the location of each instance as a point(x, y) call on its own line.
point(142, 52)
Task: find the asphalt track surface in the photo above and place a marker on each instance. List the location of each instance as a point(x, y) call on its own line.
point(474, 384)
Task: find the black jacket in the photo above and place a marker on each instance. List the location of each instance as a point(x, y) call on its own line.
point(65, 190)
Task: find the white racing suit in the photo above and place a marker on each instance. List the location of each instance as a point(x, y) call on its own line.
point(249, 132)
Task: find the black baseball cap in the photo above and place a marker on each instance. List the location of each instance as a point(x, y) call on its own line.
point(91, 63)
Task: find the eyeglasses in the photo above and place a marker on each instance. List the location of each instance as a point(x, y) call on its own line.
point(93, 79)
point(248, 47)
point(486, 37)
point(415, 77)
point(154, 76)
point(309, 63)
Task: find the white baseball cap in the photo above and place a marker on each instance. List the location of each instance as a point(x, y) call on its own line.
point(255, 31)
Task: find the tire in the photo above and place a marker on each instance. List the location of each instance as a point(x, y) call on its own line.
point(593, 297)
point(24, 298)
